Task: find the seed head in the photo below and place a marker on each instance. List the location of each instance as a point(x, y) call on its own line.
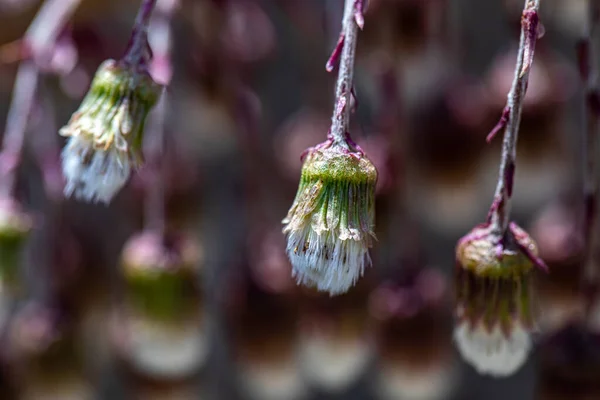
point(494, 299)
point(329, 227)
point(106, 132)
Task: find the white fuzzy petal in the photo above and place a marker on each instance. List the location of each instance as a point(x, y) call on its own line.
point(323, 260)
point(491, 353)
point(93, 175)
point(334, 364)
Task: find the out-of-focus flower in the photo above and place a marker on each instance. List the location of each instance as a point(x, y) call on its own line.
point(265, 343)
point(106, 132)
point(45, 355)
point(336, 342)
point(416, 359)
point(15, 226)
point(166, 326)
point(329, 227)
point(494, 307)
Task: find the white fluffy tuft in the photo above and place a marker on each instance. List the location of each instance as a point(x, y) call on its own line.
point(330, 263)
point(93, 175)
point(491, 352)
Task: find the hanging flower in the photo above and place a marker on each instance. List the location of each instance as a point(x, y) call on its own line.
point(494, 299)
point(329, 227)
point(106, 132)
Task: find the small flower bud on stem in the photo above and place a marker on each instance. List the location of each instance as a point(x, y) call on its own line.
point(495, 261)
point(107, 131)
point(329, 227)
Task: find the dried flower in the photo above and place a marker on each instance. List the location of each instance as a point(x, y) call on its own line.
point(329, 227)
point(106, 132)
point(494, 298)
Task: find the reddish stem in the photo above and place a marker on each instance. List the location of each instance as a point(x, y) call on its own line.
point(511, 117)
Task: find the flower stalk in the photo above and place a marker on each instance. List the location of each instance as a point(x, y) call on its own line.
point(345, 53)
point(495, 304)
point(107, 131)
point(511, 117)
point(160, 36)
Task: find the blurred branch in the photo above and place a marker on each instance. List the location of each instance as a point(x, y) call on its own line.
point(511, 118)
point(37, 47)
point(45, 29)
point(345, 52)
point(23, 98)
point(161, 66)
point(588, 68)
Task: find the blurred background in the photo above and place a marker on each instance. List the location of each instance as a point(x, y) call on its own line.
point(98, 306)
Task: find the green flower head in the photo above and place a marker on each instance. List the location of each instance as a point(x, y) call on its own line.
point(330, 225)
point(494, 298)
point(106, 132)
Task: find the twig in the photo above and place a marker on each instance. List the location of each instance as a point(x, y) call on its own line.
point(588, 67)
point(345, 51)
point(511, 117)
point(160, 35)
point(37, 46)
point(23, 98)
point(138, 52)
point(45, 29)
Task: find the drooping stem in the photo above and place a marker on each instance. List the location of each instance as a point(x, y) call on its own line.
point(588, 67)
point(23, 98)
point(345, 51)
point(138, 51)
point(511, 117)
point(161, 37)
point(38, 45)
point(46, 28)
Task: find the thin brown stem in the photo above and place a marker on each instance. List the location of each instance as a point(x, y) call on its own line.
point(345, 50)
point(138, 50)
point(500, 212)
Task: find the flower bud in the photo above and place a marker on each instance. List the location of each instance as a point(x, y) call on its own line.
point(330, 225)
point(106, 132)
point(494, 299)
point(15, 226)
point(166, 332)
